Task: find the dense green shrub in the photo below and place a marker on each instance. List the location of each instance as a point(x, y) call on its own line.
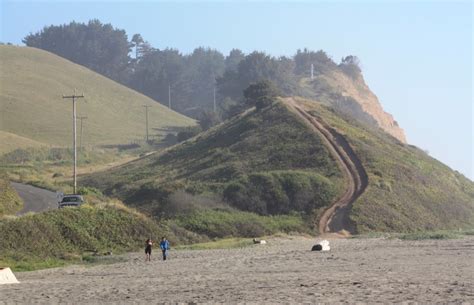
point(74, 230)
point(280, 192)
point(188, 133)
point(218, 223)
point(261, 94)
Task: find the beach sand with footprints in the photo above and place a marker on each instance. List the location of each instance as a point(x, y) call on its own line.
point(282, 271)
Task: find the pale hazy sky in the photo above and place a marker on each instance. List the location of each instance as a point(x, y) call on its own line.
point(416, 56)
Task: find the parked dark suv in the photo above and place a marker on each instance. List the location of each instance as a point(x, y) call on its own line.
point(70, 201)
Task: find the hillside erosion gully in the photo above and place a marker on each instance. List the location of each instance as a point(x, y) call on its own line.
point(335, 219)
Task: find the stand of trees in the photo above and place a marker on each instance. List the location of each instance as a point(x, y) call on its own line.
point(192, 80)
point(99, 47)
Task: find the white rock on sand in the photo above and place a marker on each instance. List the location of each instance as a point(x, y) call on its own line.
point(7, 276)
point(284, 271)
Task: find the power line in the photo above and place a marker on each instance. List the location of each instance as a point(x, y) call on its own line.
point(74, 97)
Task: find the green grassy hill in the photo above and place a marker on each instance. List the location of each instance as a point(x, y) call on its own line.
point(270, 162)
point(12, 141)
point(72, 235)
point(33, 111)
point(266, 162)
point(408, 190)
point(55, 237)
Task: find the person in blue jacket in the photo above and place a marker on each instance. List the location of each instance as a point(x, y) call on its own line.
point(165, 246)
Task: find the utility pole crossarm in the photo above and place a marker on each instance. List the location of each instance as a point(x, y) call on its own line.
point(73, 96)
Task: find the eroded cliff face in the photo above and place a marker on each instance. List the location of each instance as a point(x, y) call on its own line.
point(353, 96)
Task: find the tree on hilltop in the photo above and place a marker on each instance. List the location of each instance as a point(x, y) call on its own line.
point(100, 47)
point(233, 60)
point(261, 94)
point(319, 59)
point(351, 66)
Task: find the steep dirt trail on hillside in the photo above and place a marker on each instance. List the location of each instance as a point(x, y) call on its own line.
point(336, 218)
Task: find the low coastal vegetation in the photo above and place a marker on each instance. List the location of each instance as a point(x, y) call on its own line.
point(10, 202)
point(420, 235)
point(90, 233)
point(58, 236)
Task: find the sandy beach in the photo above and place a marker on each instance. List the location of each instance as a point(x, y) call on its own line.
point(282, 271)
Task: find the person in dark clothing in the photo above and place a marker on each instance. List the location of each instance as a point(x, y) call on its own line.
point(148, 245)
point(165, 246)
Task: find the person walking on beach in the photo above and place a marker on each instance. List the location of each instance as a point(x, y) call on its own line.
point(165, 246)
point(148, 245)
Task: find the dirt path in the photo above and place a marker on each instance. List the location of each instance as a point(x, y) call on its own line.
point(284, 271)
point(335, 219)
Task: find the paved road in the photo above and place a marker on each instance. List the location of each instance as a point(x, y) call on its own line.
point(35, 199)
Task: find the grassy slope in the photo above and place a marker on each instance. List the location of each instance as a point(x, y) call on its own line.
point(33, 82)
point(408, 190)
point(59, 237)
point(51, 238)
point(267, 160)
point(10, 202)
point(12, 141)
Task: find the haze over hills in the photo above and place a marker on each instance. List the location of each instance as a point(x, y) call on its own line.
point(272, 162)
point(351, 96)
point(195, 80)
point(33, 111)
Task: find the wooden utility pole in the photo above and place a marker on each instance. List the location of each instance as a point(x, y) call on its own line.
point(312, 71)
point(74, 97)
point(146, 120)
point(81, 118)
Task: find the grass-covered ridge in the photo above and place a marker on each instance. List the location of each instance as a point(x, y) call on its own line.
point(265, 161)
point(408, 190)
point(34, 112)
point(10, 202)
point(270, 162)
point(73, 235)
point(66, 235)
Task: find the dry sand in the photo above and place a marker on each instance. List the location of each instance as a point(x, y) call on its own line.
point(282, 271)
